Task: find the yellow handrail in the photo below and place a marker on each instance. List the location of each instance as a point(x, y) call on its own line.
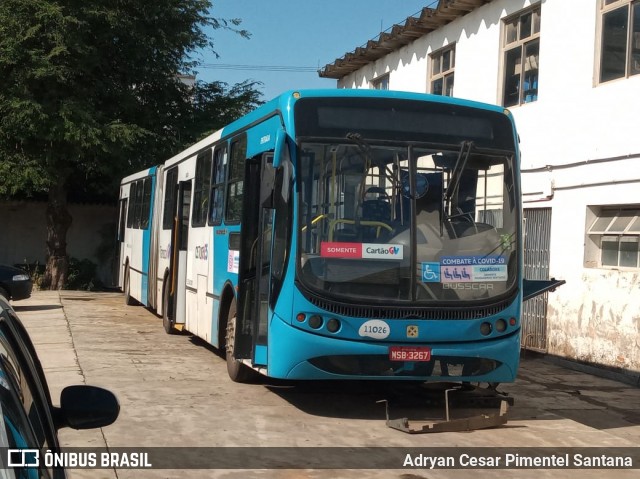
point(315, 220)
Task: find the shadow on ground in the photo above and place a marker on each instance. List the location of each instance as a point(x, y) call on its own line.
point(541, 392)
point(44, 307)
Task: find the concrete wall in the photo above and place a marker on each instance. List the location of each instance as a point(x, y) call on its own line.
point(595, 317)
point(24, 233)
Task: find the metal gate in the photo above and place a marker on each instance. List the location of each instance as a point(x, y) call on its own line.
point(537, 230)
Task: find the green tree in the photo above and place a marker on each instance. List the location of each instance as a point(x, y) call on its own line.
point(89, 92)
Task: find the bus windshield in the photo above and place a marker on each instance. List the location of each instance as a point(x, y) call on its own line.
point(392, 222)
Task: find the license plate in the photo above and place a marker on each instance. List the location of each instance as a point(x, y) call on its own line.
point(405, 353)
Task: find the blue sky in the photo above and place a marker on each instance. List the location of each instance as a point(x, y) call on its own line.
point(300, 33)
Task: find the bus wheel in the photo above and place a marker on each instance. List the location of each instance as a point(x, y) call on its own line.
point(237, 371)
point(167, 321)
point(129, 301)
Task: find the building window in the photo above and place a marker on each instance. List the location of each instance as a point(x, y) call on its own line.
point(620, 42)
point(380, 83)
point(442, 66)
point(614, 236)
point(521, 55)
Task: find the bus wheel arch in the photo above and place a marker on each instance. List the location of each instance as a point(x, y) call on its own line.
point(223, 315)
point(126, 285)
point(168, 323)
point(238, 372)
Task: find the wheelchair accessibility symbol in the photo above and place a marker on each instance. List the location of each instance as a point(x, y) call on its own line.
point(430, 272)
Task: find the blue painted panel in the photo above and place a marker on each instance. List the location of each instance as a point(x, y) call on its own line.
point(290, 349)
point(146, 242)
point(261, 355)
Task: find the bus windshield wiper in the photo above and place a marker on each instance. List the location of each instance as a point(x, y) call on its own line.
point(363, 146)
point(456, 174)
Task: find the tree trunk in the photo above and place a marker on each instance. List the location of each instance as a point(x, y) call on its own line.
point(58, 223)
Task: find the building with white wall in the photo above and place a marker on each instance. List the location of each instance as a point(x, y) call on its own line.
point(569, 71)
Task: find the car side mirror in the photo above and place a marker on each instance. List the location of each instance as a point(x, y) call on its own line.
point(86, 407)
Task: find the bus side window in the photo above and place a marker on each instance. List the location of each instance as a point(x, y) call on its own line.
point(217, 185)
point(235, 184)
point(146, 204)
point(121, 220)
point(184, 221)
point(201, 189)
point(132, 202)
point(170, 192)
point(138, 206)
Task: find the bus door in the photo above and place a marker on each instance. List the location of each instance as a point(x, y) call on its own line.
point(180, 241)
point(118, 272)
point(255, 261)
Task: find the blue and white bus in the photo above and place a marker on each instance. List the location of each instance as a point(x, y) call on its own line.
point(340, 234)
point(136, 235)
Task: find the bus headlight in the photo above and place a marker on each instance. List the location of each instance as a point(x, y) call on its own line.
point(333, 325)
point(485, 329)
point(501, 325)
point(315, 321)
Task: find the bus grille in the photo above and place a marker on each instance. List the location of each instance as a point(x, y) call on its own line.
point(448, 368)
point(385, 312)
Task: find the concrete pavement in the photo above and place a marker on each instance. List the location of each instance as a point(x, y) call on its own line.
point(174, 391)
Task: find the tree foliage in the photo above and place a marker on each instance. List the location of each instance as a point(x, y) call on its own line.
point(89, 92)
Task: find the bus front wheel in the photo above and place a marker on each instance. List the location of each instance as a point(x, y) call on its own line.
point(237, 371)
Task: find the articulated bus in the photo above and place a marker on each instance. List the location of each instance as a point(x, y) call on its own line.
point(339, 234)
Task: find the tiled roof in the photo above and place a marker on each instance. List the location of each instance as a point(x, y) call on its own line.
point(428, 20)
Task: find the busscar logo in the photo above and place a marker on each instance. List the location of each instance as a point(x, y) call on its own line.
point(469, 286)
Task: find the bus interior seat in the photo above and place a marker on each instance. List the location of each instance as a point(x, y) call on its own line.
point(377, 209)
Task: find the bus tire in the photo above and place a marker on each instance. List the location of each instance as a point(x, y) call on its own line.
point(167, 322)
point(237, 371)
point(128, 299)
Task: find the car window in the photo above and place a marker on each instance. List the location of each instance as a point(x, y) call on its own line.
point(25, 421)
point(15, 430)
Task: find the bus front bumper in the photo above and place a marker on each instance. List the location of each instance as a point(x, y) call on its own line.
point(298, 354)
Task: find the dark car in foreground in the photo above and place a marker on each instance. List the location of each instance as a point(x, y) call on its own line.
point(29, 420)
point(14, 283)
